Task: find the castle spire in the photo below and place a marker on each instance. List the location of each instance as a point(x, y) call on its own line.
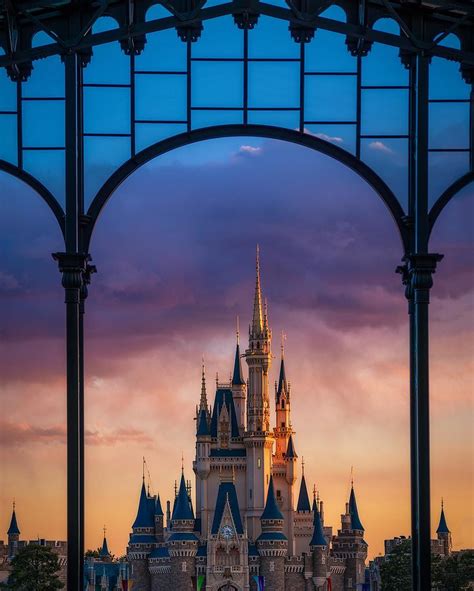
point(354, 513)
point(282, 382)
point(237, 377)
point(257, 320)
point(203, 401)
point(13, 529)
point(442, 526)
point(303, 498)
point(104, 551)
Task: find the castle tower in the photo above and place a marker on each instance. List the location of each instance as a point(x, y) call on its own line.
point(13, 534)
point(141, 539)
point(202, 465)
point(239, 388)
point(257, 439)
point(284, 459)
point(319, 550)
point(443, 533)
point(104, 554)
point(272, 544)
point(351, 536)
point(182, 543)
point(303, 517)
point(159, 520)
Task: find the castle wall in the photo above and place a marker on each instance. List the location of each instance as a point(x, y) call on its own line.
point(140, 575)
point(182, 571)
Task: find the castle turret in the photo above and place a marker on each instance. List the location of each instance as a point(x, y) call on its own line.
point(282, 408)
point(202, 463)
point(239, 388)
point(104, 554)
point(257, 439)
point(290, 461)
point(13, 534)
point(159, 520)
point(303, 505)
point(142, 539)
point(319, 550)
point(351, 536)
point(272, 544)
point(443, 533)
point(182, 543)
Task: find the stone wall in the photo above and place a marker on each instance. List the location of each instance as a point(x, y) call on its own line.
point(140, 575)
point(273, 569)
point(182, 571)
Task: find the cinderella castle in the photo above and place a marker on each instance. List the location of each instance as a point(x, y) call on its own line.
point(246, 533)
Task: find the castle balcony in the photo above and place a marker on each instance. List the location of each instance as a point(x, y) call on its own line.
point(236, 569)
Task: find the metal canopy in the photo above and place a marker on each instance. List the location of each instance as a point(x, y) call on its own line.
point(69, 27)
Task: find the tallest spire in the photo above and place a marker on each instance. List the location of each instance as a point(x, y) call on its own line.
point(257, 320)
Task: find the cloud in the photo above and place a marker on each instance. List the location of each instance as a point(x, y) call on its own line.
point(380, 147)
point(21, 434)
point(324, 136)
point(250, 150)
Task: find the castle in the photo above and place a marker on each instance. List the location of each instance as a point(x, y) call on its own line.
point(245, 533)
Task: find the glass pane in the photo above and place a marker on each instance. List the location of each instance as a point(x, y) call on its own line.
point(217, 84)
point(343, 136)
point(102, 155)
point(43, 124)
point(328, 52)
point(147, 134)
point(220, 38)
point(271, 38)
point(164, 51)
point(48, 167)
point(444, 169)
point(389, 159)
point(161, 96)
point(274, 84)
point(290, 119)
point(330, 98)
point(385, 112)
point(107, 110)
point(208, 118)
point(50, 69)
point(99, 70)
point(7, 92)
point(383, 67)
point(449, 125)
point(8, 135)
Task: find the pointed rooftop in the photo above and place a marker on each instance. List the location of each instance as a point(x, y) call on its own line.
point(13, 529)
point(104, 551)
point(237, 376)
point(158, 508)
point(227, 496)
point(303, 498)
point(203, 400)
point(271, 511)
point(290, 450)
point(318, 538)
point(145, 516)
point(282, 383)
point(354, 513)
point(202, 424)
point(257, 318)
point(442, 526)
point(182, 509)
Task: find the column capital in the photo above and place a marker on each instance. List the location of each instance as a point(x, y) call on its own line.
point(417, 275)
point(76, 273)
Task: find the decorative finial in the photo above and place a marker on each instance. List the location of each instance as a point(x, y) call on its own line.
point(143, 469)
point(238, 331)
point(182, 463)
point(442, 503)
point(105, 530)
point(203, 401)
point(317, 497)
point(283, 339)
point(302, 465)
point(14, 503)
point(217, 379)
point(314, 492)
point(352, 476)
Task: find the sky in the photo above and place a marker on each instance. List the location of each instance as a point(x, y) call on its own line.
point(175, 250)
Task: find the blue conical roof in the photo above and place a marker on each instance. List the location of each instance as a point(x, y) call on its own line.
point(303, 499)
point(158, 508)
point(145, 515)
point(271, 511)
point(443, 526)
point(202, 424)
point(290, 450)
point(104, 551)
point(282, 385)
point(13, 529)
point(354, 513)
point(182, 509)
point(318, 538)
point(237, 377)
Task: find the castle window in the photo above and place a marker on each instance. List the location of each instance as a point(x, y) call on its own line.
point(283, 404)
point(259, 463)
point(278, 494)
point(250, 494)
point(183, 567)
point(283, 425)
point(258, 345)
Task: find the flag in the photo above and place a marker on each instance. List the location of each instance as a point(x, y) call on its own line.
point(200, 582)
point(260, 582)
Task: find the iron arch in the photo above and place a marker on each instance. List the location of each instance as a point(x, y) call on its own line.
point(264, 131)
point(446, 197)
point(39, 188)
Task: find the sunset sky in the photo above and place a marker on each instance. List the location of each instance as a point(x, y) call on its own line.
point(175, 268)
point(175, 253)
